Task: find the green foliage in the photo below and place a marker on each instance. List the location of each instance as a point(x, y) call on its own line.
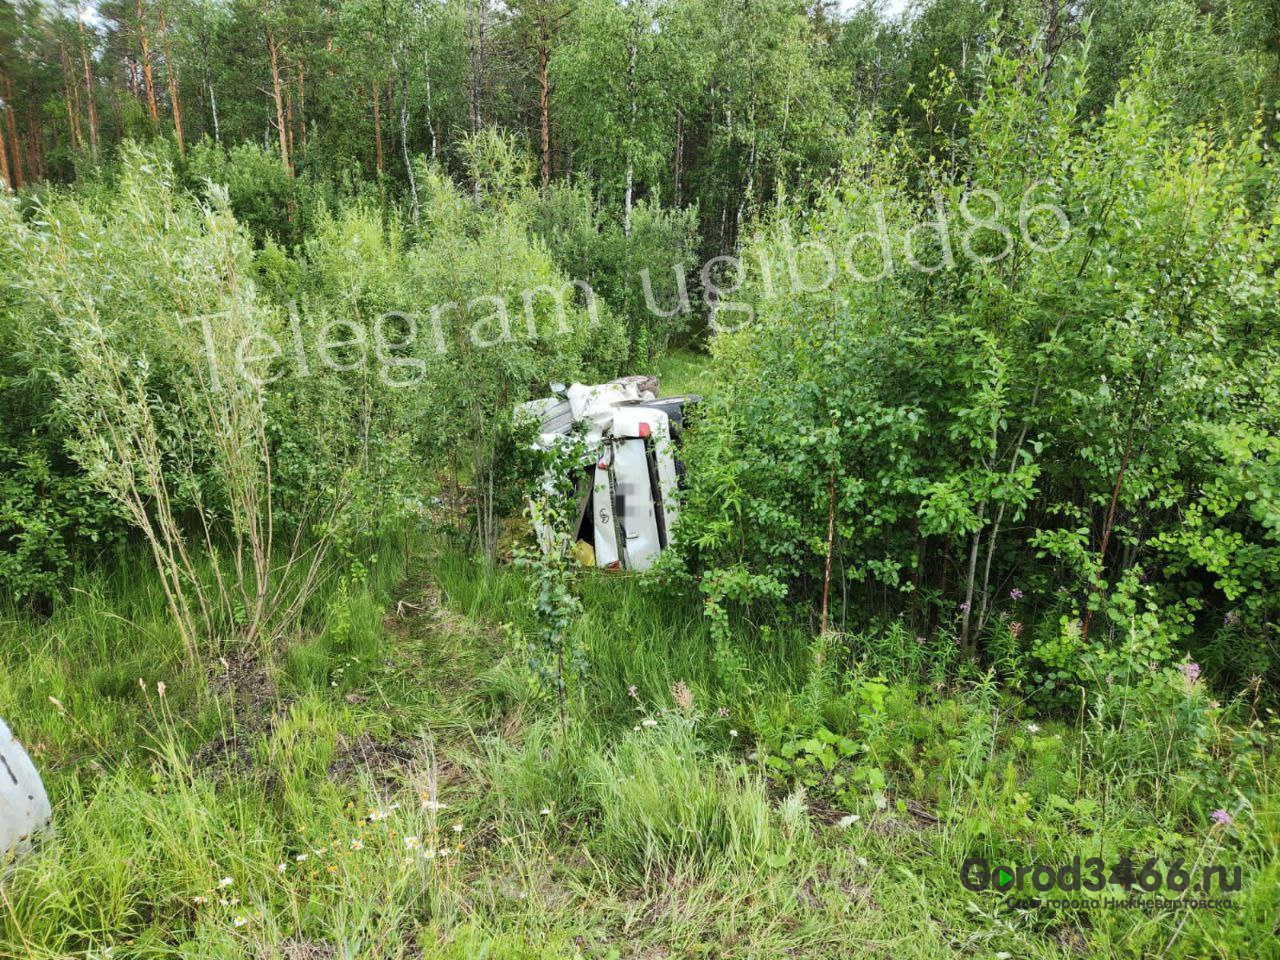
point(138, 316)
point(828, 766)
point(381, 361)
point(262, 194)
point(47, 513)
point(1026, 412)
point(648, 276)
point(554, 651)
point(502, 323)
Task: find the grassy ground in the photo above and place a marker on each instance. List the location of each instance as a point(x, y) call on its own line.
point(681, 371)
point(395, 786)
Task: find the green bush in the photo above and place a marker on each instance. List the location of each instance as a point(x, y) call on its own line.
point(648, 276)
point(1031, 423)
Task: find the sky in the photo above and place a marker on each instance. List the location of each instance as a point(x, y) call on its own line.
point(888, 8)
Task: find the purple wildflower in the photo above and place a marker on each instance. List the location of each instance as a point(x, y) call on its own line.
point(1190, 672)
point(964, 607)
point(1015, 593)
point(722, 712)
point(1221, 817)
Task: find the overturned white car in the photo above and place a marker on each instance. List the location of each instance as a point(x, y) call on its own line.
point(627, 483)
point(24, 807)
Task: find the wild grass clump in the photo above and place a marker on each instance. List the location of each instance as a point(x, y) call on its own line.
point(240, 860)
point(536, 784)
point(664, 802)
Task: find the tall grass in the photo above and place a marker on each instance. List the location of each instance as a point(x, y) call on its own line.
point(398, 725)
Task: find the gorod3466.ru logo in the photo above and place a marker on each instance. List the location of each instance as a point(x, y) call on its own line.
point(1094, 875)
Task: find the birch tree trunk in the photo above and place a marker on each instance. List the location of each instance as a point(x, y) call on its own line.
point(475, 51)
point(404, 133)
point(679, 158)
point(631, 133)
point(88, 86)
point(377, 129)
point(213, 107)
point(426, 72)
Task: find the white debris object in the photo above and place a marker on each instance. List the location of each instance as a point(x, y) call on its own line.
point(24, 806)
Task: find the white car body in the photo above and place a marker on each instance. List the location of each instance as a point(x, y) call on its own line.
point(628, 497)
